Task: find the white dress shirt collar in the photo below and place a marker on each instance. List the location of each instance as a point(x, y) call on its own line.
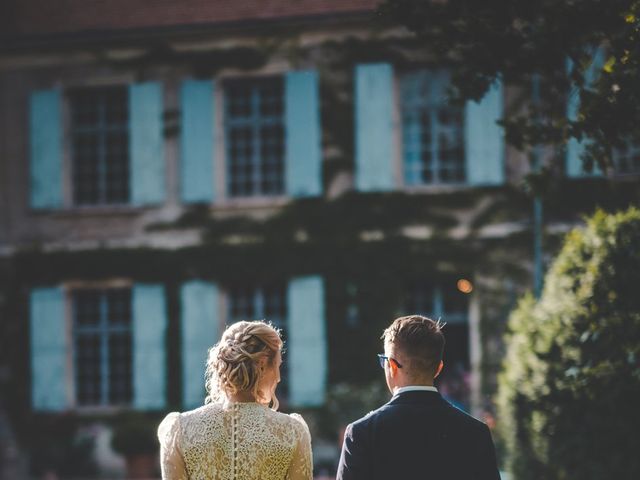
point(414, 388)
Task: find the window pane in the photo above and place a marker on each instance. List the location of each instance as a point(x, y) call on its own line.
point(238, 100)
point(272, 156)
point(103, 348)
point(241, 304)
point(120, 362)
point(451, 145)
point(255, 137)
point(87, 308)
point(116, 104)
point(426, 173)
point(433, 134)
point(84, 109)
point(86, 168)
point(275, 307)
point(100, 145)
point(271, 98)
point(119, 306)
point(241, 169)
point(117, 167)
point(88, 359)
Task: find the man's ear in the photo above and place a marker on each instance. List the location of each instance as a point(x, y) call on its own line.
point(393, 367)
point(439, 369)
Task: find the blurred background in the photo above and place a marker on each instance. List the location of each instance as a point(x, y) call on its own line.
point(170, 167)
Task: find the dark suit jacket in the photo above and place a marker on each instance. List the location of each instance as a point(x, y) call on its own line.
point(418, 435)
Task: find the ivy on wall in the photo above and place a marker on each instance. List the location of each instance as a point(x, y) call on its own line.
point(357, 242)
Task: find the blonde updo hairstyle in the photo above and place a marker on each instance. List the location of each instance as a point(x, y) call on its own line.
point(234, 363)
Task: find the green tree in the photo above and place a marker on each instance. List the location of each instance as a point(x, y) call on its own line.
point(552, 40)
point(569, 392)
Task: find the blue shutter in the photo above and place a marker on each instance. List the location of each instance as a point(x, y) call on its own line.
point(45, 124)
point(200, 324)
point(307, 341)
point(575, 148)
point(484, 139)
point(146, 142)
point(197, 142)
point(49, 362)
point(304, 142)
point(149, 342)
point(374, 127)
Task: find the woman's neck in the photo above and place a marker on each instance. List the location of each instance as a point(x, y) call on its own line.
point(243, 397)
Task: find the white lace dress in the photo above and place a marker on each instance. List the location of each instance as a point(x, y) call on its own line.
point(235, 441)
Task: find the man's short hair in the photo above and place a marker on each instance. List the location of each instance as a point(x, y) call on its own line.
point(420, 339)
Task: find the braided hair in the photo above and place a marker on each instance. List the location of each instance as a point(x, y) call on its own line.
point(233, 364)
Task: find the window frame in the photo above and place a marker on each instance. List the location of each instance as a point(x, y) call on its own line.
point(101, 130)
point(399, 163)
point(398, 147)
point(69, 288)
point(224, 200)
point(68, 205)
point(255, 122)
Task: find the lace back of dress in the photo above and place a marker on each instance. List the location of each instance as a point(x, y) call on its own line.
point(239, 441)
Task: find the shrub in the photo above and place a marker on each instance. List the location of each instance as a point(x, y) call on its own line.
point(569, 391)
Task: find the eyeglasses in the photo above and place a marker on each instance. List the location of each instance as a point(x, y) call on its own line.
point(382, 358)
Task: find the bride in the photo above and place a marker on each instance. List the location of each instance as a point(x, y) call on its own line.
point(238, 434)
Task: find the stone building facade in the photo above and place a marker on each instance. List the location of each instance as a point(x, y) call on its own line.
point(167, 170)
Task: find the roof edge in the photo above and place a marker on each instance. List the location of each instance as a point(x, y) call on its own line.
point(54, 41)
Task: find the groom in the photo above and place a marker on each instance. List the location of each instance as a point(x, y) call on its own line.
point(417, 434)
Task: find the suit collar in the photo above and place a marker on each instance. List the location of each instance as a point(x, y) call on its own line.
point(413, 397)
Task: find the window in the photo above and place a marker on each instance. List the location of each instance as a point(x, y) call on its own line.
point(446, 302)
point(432, 130)
point(626, 161)
point(102, 346)
point(100, 145)
point(255, 137)
point(267, 303)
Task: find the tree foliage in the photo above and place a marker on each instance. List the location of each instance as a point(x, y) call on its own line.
point(555, 41)
point(569, 392)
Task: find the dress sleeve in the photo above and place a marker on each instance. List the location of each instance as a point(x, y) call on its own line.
point(171, 460)
point(301, 467)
